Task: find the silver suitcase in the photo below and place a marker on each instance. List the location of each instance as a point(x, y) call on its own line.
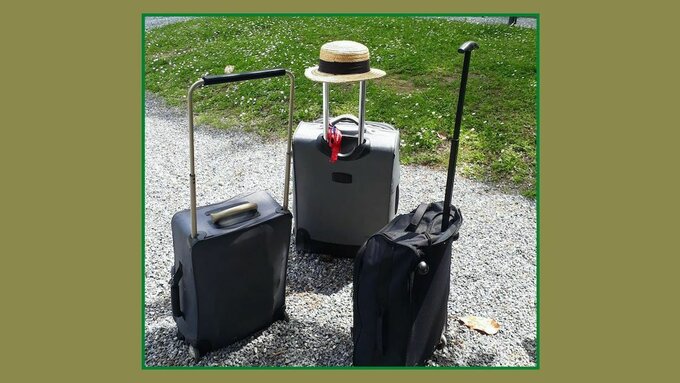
point(338, 206)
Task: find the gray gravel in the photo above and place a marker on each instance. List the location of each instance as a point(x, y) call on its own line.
point(157, 21)
point(493, 272)
point(527, 22)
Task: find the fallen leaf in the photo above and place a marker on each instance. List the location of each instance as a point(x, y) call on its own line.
point(485, 325)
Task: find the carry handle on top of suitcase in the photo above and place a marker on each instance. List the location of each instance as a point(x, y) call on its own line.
point(360, 121)
point(223, 79)
point(466, 49)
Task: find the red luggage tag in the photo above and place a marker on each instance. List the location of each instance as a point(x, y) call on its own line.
point(334, 141)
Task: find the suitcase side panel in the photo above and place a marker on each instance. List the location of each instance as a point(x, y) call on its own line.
point(187, 324)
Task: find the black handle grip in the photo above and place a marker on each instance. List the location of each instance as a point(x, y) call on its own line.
point(235, 77)
point(417, 216)
point(174, 292)
point(468, 46)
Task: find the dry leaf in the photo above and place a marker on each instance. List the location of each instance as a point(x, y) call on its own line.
point(485, 325)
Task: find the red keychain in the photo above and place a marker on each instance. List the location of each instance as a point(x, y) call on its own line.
point(334, 141)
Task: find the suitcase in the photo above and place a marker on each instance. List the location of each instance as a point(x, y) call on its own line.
point(402, 275)
point(339, 205)
point(229, 275)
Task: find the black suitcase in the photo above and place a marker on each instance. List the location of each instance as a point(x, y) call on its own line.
point(402, 275)
point(228, 279)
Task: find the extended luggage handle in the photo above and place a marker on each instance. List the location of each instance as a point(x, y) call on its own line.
point(229, 78)
point(362, 107)
point(466, 48)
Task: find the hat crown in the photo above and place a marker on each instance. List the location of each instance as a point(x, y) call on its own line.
point(343, 61)
point(344, 51)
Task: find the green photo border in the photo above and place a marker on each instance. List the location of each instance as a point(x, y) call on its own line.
point(143, 200)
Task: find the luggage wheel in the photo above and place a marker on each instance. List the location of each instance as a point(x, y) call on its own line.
point(195, 353)
point(442, 342)
point(198, 349)
point(282, 315)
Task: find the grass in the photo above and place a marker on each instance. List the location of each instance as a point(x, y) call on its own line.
point(418, 95)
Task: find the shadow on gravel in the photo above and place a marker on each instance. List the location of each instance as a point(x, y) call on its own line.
point(308, 344)
point(293, 343)
point(309, 273)
point(482, 359)
point(529, 345)
point(448, 356)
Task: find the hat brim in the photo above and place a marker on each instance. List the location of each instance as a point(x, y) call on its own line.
point(313, 74)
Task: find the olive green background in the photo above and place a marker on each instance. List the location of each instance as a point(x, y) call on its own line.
point(71, 182)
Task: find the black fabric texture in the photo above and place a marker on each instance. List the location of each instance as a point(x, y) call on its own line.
point(399, 314)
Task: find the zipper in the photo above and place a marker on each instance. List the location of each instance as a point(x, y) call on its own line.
point(394, 244)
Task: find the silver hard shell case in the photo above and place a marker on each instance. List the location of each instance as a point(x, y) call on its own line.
point(338, 206)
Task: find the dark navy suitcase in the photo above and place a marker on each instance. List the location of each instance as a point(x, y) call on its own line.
point(229, 276)
point(402, 274)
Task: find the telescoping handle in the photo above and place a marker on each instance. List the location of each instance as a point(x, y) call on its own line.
point(466, 49)
point(362, 111)
point(229, 78)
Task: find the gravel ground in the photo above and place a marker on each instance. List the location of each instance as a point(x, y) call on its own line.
point(493, 272)
point(527, 22)
point(155, 22)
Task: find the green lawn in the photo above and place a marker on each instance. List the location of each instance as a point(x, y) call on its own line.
point(417, 96)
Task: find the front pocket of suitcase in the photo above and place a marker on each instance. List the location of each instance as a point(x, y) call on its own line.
point(241, 277)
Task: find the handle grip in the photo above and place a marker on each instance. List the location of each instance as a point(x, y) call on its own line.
point(236, 77)
point(174, 292)
point(232, 211)
point(417, 217)
point(348, 118)
point(344, 117)
point(468, 46)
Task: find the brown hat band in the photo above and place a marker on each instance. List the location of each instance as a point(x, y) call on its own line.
point(344, 67)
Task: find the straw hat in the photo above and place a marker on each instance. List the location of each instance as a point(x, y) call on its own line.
point(343, 61)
